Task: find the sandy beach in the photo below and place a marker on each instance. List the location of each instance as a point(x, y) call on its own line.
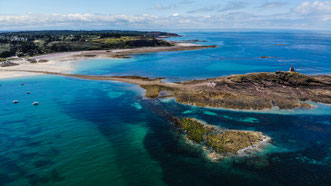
point(64, 62)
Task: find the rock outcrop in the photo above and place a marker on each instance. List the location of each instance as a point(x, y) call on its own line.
point(221, 141)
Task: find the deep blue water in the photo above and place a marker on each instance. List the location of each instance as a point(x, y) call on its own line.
point(105, 133)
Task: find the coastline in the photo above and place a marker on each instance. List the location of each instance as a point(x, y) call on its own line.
point(63, 62)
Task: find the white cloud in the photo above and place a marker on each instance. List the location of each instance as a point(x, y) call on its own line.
point(317, 12)
point(50, 19)
point(317, 7)
point(220, 20)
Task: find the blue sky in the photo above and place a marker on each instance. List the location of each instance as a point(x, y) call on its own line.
point(165, 14)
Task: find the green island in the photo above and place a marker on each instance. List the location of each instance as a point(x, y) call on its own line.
point(223, 142)
point(32, 43)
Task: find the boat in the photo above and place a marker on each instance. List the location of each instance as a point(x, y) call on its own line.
point(15, 101)
point(35, 103)
point(28, 92)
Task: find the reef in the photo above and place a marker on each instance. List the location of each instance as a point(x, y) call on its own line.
point(221, 142)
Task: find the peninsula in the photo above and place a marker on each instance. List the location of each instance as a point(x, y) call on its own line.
point(253, 91)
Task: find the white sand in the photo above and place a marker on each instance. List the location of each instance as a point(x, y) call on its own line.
point(57, 62)
point(186, 44)
point(51, 66)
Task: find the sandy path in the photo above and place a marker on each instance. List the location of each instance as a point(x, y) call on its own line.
point(127, 79)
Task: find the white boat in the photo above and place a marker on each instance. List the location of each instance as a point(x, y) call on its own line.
point(35, 103)
point(15, 101)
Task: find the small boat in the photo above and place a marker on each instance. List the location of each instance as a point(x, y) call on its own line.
point(15, 101)
point(22, 84)
point(28, 92)
point(35, 103)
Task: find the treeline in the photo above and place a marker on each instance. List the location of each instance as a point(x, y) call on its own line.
point(30, 43)
point(103, 33)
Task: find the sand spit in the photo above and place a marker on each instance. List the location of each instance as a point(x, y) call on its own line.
point(64, 62)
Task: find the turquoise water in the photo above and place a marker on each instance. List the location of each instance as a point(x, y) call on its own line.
point(105, 133)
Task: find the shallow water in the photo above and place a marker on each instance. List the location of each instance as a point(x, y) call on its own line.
point(106, 133)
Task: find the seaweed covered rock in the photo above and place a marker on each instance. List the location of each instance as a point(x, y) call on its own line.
point(231, 141)
point(257, 91)
point(7, 64)
point(221, 141)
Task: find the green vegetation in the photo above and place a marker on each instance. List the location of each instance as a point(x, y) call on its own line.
point(43, 42)
point(293, 78)
point(195, 130)
point(3, 59)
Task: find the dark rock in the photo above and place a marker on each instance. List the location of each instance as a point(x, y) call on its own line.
point(8, 64)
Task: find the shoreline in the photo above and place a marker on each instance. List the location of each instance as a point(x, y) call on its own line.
point(63, 62)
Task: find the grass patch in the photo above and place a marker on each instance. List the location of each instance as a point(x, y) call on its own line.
point(194, 129)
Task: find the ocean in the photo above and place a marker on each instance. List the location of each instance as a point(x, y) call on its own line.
point(87, 132)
